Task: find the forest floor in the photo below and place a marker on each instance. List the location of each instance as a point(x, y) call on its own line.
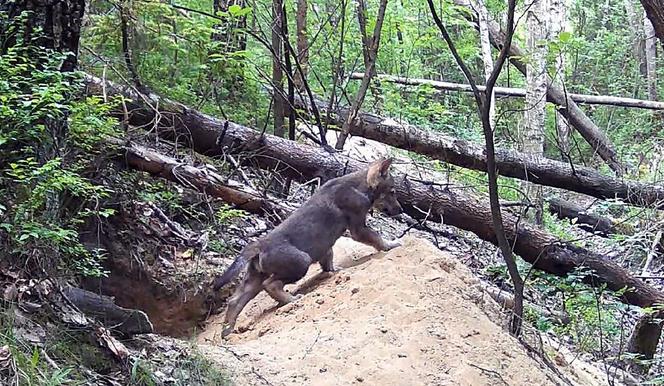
point(411, 316)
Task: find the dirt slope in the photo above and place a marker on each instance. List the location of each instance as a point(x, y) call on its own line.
point(412, 316)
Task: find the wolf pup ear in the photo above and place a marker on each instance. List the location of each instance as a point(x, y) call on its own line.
point(377, 171)
point(385, 166)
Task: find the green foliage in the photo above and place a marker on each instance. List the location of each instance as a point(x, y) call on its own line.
point(186, 56)
point(29, 364)
point(590, 310)
point(226, 213)
point(44, 131)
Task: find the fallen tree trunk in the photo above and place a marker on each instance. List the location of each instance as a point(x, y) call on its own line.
point(586, 221)
point(518, 92)
point(201, 179)
point(510, 163)
point(544, 251)
point(566, 105)
point(211, 136)
point(102, 308)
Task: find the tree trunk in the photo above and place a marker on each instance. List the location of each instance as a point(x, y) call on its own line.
point(644, 339)
point(104, 309)
point(638, 38)
point(371, 53)
point(485, 46)
point(604, 100)
point(557, 22)
point(201, 178)
point(215, 137)
point(510, 163)
point(655, 11)
point(651, 58)
point(302, 44)
point(279, 104)
point(567, 107)
point(54, 25)
point(533, 124)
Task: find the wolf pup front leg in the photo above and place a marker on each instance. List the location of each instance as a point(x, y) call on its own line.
point(364, 234)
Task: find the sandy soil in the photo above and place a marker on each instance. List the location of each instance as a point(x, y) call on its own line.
point(412, 316)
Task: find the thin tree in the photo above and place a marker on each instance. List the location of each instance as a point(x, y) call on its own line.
point(370, 63)
point(279, 105)
point(483, 109)
point(302, 43)
point(650, 57)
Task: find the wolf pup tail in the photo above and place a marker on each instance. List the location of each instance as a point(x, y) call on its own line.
point(238, 265)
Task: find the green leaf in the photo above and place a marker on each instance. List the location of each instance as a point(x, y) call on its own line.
point(565, 36)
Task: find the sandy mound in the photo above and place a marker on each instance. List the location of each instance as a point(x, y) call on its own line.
point(412, 316)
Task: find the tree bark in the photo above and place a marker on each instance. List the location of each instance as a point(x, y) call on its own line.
point(557, 22)
point(214, 137)
point(102, 308)
point(586, 221)
point(644, 339)
point(533, 124)
point(566, 105)
point(302, 44)
point(510, 163)
point(54, 25)
point(279, 104)
point(655, 11)
point(485, 47)
point(200, 178)
point(636, 30)
point(651, 58)
point(519, 92)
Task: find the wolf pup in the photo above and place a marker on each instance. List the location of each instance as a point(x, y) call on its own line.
point(284, 255)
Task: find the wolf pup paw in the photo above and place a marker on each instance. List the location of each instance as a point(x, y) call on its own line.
point(227, 331)
point(392, 244)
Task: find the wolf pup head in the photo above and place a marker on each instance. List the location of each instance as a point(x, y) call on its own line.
point(382, 184)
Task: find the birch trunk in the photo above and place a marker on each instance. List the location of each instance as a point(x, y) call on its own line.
point(557, 23)
point(487, 59)
point(536, 88)
point(638, 42)
point(651, 56)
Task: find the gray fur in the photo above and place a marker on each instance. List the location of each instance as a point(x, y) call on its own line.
point(284, 255)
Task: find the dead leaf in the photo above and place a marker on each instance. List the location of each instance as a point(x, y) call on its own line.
point(187, 254)
point(5, 357)
point(70, 315)
point(107, 341)
point(11, 293)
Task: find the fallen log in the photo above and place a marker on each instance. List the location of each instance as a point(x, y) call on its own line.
point(214, 137)
point(506, 301)
point(565, 104)
point(200, 178)
point(510, 163)
point(593, 223)
point(104, 309)
point(518, 92)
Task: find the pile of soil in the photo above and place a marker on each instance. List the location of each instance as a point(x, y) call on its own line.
point(411, 316)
